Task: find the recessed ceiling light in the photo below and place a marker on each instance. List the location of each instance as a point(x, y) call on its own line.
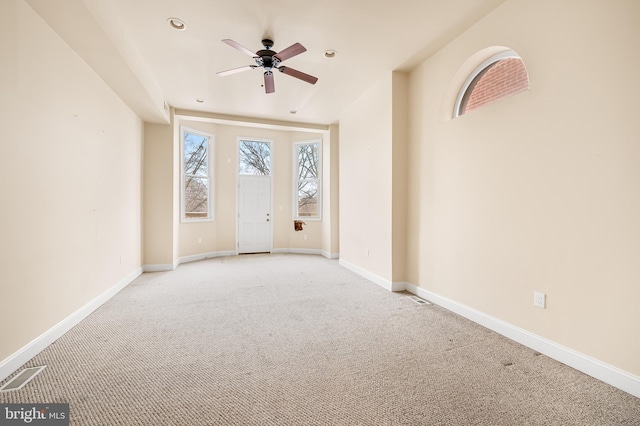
point(200, 101)
point(177, 24)
point(330, 54)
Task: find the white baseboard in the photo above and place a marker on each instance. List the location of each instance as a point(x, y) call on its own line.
point(160, 267)
point(399, 286)
point(297, 251)
point(163, 267)
point(15, 361)
point(607, 373)
point(307, 251)
point(382, 282)
point(329, 255)
point(210, 255)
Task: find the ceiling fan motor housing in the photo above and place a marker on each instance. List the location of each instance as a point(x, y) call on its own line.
point(265, 57)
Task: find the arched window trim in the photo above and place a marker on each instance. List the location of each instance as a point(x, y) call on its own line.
point(477, 71)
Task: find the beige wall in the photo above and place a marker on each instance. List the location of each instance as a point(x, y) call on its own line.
point(399, 149)
point(158, 218)
point(366, 181)
point(539, 191)
point(330, 193)
point(70, 181)
point(373, 180)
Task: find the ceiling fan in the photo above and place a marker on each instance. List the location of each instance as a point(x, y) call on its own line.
point(270, 60)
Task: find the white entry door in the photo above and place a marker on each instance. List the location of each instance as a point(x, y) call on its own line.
point(254, 214)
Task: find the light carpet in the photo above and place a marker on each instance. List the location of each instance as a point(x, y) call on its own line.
point(287, 339)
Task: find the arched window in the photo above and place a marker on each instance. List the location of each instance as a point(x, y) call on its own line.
point(501, 75)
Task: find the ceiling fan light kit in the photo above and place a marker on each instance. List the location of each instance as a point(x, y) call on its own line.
point(269, 60)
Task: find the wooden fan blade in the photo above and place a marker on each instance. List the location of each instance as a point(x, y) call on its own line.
point(290, 52)
point(269, 84)
point(299, 74)
point(239, 47)
point(236, 70)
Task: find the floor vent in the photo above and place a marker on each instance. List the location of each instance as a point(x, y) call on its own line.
point(21, 378)
point(418, 300)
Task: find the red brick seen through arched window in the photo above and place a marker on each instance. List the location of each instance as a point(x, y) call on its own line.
point(502, 78)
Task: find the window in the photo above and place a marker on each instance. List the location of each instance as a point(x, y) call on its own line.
point(196, 175)
point(254, 157)
point(499, 76)
point(307, 179)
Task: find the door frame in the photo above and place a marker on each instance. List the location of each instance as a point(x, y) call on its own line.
point(237, 190)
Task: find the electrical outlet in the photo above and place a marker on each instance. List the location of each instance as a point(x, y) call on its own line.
point(539, 299)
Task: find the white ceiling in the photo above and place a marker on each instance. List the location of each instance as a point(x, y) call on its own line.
point(131, 46)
